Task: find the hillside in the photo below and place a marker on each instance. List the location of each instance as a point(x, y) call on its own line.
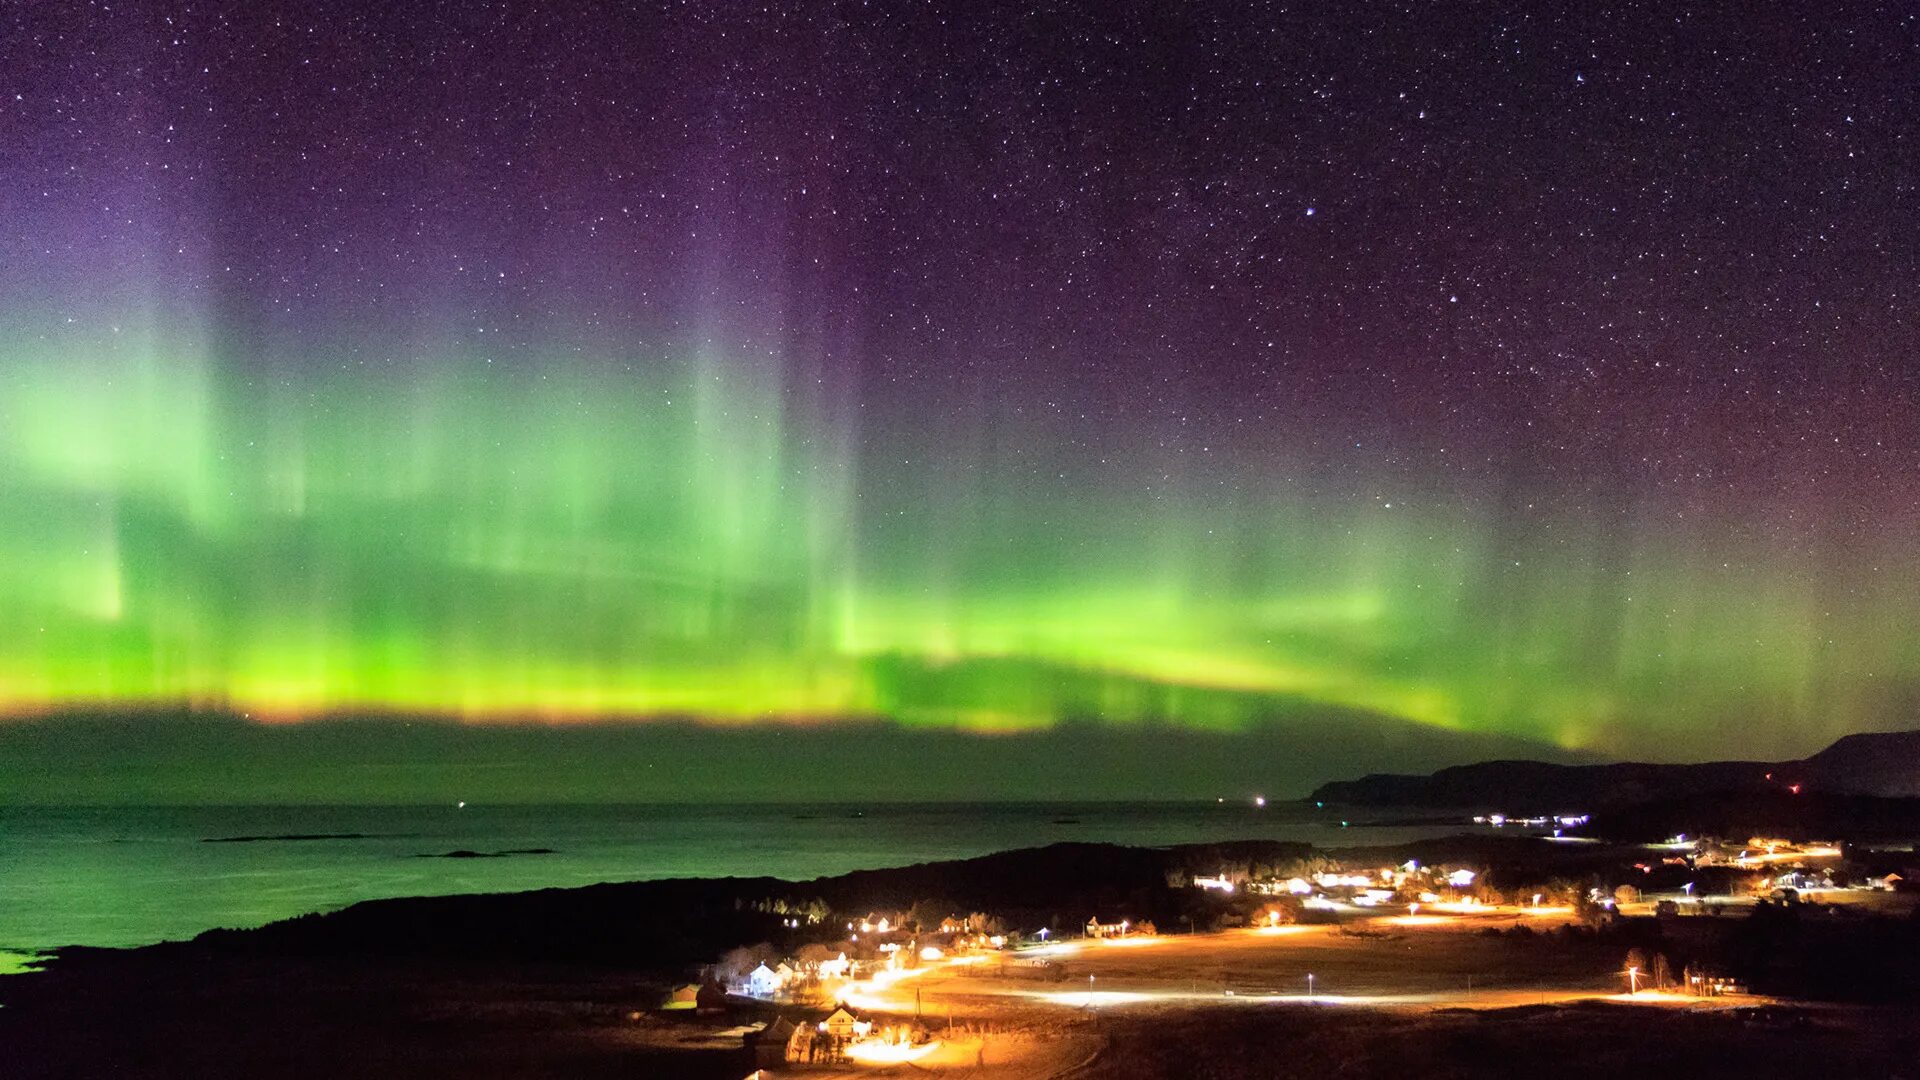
point(1881, 764)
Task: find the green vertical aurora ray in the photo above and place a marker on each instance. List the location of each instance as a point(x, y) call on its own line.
point(683, 535)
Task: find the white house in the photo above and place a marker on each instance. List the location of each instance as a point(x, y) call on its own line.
point(762, 982)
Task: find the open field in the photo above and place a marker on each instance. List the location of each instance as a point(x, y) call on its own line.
point(1418, 961)
point(1436, 962)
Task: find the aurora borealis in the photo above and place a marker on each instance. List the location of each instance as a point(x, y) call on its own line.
point(970, 370)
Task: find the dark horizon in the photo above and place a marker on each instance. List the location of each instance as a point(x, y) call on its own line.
point(198, 759)
point(216, 759)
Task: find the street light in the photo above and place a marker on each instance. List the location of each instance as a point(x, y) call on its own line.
point(1309, 986)
point(1633, 980)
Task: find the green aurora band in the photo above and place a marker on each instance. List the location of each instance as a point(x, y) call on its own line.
point(688, 536)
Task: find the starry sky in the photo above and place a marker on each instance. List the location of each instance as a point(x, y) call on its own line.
point(1516, 375)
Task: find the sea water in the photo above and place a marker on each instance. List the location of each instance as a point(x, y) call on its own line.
point(116, 876)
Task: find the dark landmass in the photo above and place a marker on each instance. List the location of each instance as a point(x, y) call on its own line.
point(1876, 764)
point(1515, 857)
point(1885, 765)
point(1810, 815)
point(1581, 1041)
point(464, 853)
point(181, 1013)
point(298, 837)
point(1517, 787)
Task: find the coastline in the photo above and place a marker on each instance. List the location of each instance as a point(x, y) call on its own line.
point(112, 877)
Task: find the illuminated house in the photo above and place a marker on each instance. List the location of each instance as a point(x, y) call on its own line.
point(841, 1024)
point(1343, 881)
point(1707, 984)
point(684, 996)
point(764, 982)
point(1098, 929)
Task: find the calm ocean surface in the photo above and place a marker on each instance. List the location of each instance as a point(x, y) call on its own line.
point(134, 875)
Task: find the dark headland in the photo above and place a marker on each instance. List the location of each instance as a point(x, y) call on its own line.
point(1883, 764)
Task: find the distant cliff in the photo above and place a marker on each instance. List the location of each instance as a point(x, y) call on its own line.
point(1882, 764)
point(1877, 764)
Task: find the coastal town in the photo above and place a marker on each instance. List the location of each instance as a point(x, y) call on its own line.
point(1669, 924)
point(1768, 952)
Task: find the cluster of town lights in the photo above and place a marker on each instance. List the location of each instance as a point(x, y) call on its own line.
point(1442, 895)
